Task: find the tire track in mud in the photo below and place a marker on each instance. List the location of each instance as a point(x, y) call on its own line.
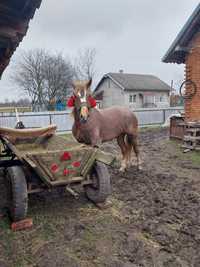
point(154, 220)
point(167, 207)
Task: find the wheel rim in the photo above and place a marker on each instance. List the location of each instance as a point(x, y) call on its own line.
point(95, 180)
point(193, 91)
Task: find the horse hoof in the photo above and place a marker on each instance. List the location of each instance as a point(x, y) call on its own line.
point(122, 169)
point(139, 168)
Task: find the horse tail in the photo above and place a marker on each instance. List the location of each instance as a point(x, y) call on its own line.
point(132, 143)
point(128, 139)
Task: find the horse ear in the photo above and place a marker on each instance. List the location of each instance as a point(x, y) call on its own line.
point(89, 83)
point(73, 85)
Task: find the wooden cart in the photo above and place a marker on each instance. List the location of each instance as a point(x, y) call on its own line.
point(36, 159)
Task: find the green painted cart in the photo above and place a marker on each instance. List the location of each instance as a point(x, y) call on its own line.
point(34, 163)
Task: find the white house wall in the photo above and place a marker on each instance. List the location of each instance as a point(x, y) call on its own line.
point(136, 104)
point(113, 94)
point(155, 95)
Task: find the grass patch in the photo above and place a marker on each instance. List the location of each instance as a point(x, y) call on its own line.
point(68, 136)
point(192, 156)
point(148, 239)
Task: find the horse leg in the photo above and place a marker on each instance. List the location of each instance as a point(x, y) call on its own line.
point(123, 147)
point(129, 148)
point(136, 150)
point(95, 138)
point(133, 141)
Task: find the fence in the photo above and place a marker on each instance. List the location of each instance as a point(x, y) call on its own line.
point(64, 121)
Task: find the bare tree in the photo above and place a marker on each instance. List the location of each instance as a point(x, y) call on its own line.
point(23, 102)
point(29, 75)
point(84, 64)
point(177, 83)
point(58, 73)
point(43, 76)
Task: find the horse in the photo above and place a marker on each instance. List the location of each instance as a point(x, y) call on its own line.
point(93, 126)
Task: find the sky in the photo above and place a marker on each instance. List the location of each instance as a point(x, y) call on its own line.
point(132, 35)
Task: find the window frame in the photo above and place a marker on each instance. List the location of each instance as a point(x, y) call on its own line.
point(132, 98)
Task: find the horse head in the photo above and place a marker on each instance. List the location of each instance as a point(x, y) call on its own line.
point(82, 101)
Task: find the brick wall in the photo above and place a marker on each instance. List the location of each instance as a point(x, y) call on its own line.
point(192, 72)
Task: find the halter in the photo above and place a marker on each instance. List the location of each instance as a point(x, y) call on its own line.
point(72, 99)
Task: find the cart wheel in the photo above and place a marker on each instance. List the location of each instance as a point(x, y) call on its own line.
point(100, 189)
point(17, 193)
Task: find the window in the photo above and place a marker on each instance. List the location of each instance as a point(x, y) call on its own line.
point(132, 98)
point(162, 98)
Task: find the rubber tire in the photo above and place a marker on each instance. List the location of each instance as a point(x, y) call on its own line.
point(194, 89)
point(17, 193)
point(99, 194)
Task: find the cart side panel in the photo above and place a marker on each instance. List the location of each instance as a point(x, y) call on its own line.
point(61, 165)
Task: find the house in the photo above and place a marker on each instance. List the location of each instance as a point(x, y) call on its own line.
point(132, 90)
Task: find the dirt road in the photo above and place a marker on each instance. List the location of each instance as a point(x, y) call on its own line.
point(153, 220)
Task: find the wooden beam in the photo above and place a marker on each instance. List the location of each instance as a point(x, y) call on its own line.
point(14, 20)
point(182, 49)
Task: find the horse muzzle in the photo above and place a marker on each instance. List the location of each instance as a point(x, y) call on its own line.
point(84, 114)
point(83, 120)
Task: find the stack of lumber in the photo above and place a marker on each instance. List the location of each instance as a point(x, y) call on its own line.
point(192, 136)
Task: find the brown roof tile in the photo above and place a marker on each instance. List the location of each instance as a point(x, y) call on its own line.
point(14, 21)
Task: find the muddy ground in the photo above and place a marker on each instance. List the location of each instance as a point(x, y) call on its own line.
point(153, 219)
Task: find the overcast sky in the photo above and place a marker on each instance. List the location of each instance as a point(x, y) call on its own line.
point(132, 35)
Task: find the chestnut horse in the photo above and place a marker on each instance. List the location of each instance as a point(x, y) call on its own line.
point(93, 126)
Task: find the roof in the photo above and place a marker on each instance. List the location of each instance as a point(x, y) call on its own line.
point(14, 21)
point(137, 82)
point(180, 47)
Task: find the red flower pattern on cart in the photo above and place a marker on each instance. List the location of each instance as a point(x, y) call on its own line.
point(67, 172)
point(76, 164)
point(54, 167)
point(65, 156)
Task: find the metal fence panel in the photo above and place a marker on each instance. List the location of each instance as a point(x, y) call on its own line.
point(8, 121)
point(151, 117)
point(36, 120)
point(64, 120)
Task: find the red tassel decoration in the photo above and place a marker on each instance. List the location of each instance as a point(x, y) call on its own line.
point(71, 101)
point(92, 101)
